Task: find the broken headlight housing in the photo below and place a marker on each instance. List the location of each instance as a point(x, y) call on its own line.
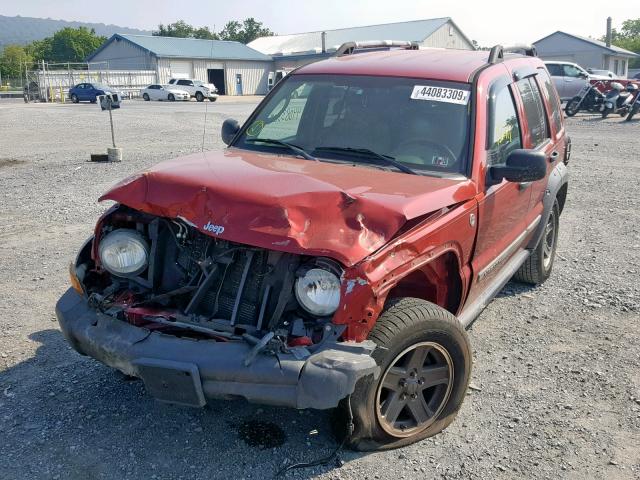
point(318, 291)
point(124, 253)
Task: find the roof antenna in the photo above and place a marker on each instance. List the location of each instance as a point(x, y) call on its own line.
point(206, 107)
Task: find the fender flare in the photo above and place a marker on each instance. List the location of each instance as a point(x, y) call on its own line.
point(558, 178)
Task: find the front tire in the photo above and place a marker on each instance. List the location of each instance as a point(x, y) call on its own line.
point(632, 112)
point(199, 97)
point(605, 113)
point(171, 97)
point(537, 268)
point(425, 360)
point(572, 107)
point(74, 98)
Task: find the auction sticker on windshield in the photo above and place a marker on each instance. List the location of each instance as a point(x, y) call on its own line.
point(440, 94)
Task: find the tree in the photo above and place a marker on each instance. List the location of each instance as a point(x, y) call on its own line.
point(244, 32)
point(12, 61)
point(628, 37)
point(182, 29)
point(66, 45)
point(40, 49)
point(74, 44)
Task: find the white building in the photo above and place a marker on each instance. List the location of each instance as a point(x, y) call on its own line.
point(234, 68)
point(289, 51)
point(586, 52)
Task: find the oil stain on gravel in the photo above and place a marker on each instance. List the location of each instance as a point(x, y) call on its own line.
point(261, 434)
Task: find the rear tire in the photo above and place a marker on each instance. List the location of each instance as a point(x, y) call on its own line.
point(199, 97)
point(572, 107)
point(425, 361)
point(537, 268)
point(146, 97)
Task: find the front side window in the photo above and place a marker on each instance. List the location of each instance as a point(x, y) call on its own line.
point(504, 129)
point(534, 111)
point(549, 92)
point(422, 124)
point(571, 71)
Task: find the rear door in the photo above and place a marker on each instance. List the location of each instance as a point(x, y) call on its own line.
point(538, 132)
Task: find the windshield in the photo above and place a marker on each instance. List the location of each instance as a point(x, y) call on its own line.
point(420, 123)
point(101, 86)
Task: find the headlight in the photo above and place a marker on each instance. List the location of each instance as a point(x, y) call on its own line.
point(124, 253)
point(318, 292)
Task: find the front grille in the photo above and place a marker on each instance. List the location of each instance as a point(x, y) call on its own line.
point(242, 285)
point(224, 294)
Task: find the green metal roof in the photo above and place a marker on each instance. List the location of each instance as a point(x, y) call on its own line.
point(188, 48)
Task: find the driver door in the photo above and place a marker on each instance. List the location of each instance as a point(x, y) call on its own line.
point(502, 210)
point(573, 81)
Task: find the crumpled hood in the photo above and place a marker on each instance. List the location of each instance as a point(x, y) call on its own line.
point(288, 204)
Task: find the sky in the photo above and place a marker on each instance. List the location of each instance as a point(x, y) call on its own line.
point(488, 22)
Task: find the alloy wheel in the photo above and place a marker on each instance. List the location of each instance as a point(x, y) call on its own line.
point(414, 389)
point(549, 241)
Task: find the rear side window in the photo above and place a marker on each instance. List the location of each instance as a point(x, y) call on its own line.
point(549, 92)
point(172, 81)
point(188, 83)
point(504, 133)
point(555, 69)
point(534, 111)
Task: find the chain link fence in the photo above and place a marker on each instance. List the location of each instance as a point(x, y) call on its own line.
point(50, 82)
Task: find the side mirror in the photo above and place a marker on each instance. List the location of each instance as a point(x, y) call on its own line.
point(583, 75)
point(230, 129)
point(521, 166)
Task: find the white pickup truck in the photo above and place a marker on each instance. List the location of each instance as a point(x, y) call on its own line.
point(196, 88)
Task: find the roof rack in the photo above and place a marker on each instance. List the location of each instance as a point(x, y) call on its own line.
point(349, 48)
point(497, 52)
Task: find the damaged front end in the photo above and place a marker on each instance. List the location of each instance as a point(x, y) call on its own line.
point(200, 317)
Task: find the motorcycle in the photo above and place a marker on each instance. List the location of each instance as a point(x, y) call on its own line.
point(635, 106)
point(589, 98)
point(618, 100)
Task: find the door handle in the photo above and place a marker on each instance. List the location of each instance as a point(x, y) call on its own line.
point(553, 156)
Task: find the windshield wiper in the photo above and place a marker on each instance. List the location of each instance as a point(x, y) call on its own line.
point(290, 146)
point(370, 154)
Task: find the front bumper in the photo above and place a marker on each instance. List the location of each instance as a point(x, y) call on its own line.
point(188, 371)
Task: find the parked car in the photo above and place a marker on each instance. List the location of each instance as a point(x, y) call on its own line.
point(88, 92)
point(335, 261)
point(568, 78)
point(596, 74)
point(164, 92)
point(196, 88)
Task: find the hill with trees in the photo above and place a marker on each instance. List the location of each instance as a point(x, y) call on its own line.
point(24, 30)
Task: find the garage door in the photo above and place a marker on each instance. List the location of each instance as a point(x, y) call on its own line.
point(180, 69)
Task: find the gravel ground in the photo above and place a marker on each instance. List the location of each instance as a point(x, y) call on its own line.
point(556, 381)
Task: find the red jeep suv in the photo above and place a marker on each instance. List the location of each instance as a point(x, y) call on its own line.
point(335, 253)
